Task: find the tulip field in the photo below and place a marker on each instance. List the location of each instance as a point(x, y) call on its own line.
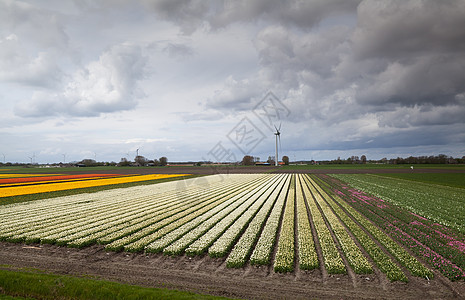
point(336, 224)
point(16, 185)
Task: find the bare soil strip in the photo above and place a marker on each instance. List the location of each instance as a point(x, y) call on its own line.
point(210, 276)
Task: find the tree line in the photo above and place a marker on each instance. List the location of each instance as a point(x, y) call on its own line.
point(432, 159)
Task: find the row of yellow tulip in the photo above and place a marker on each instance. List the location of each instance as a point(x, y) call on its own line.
point(43, 188)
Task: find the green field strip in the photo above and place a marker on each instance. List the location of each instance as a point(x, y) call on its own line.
point(407, 260)
point(332, 259)
point(352, 252)
point(219, 199)
point(456, 180)
point(443, 204)
point(381, 259)
point(425, 238)
point(145, 228)
point(201, 244)
point(415, 233)
point(261, 255)
point(285, 253)
point(175, 242)
point(226, 241)
point(242, 249)
point(308, 257)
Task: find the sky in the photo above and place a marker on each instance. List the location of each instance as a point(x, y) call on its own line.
point(212, 80)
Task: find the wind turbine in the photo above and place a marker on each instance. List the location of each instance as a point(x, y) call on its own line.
point(277, 135)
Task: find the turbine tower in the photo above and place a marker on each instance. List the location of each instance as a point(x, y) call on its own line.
point(277, 135)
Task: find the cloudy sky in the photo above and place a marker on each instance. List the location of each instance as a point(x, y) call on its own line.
point(209, 80)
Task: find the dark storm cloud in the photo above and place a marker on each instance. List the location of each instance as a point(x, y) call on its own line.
point(405, 29)
point(401, 67)
point(419, 47)
point(191, 15)
point(411, 137)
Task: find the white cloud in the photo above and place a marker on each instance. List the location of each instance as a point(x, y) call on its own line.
point(106, 85)
point(19, 66)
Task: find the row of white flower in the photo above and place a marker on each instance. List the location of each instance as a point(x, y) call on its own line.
point(215, 201)
point(131, 234)
point(131, 219)
point(182, 243)
point(308, 258)
point(211, 235)
point(331, 257)
point(177, 240)
point(56, 218)
point(261, 255)
point(61, 220)
point(116, 220)
point(30, 216)
point(49, 211)
point(224, 243)
point(239, 254)
point(119, 219)
point(93, 216)
point(285, 254)
point(354, 255)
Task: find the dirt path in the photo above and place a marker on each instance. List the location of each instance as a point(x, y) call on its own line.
point(210, 276)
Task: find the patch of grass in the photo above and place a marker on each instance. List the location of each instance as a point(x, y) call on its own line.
point(447, 179)
point(371, 166)
point(51, 286)
point(55, 194)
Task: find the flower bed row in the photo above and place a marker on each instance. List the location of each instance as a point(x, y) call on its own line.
point(52, 187)
point(284, 260)
point(176, 241)
point(242, 249)
point(411, 263)
point(41, 179)
point(381, 259)
point(203, 242)
point(354, 255)
point(226, 241)
point(261, 255)
point(55, 219)
point(332, 260)
point(443, 204)
point(308, 258)
point(433, 251)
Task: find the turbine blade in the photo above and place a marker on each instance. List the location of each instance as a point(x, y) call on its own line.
point(279, 126)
